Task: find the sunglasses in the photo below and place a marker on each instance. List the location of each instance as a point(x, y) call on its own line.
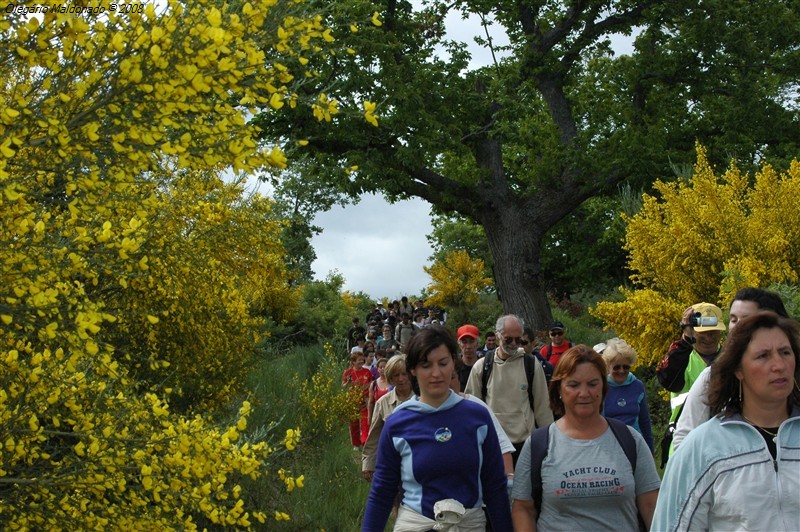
point(556, 333)
point(623, 367)
point(513, 340)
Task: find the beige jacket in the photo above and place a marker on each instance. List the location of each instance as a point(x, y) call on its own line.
point(507, 395)
point(383, 407)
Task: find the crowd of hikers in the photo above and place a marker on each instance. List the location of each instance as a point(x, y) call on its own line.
point(472, 432)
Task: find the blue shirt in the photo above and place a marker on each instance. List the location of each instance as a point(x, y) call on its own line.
point(449, 452)
point(627, 402)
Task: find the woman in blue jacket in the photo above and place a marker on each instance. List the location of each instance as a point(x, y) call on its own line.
point(626, 399)
point(442, 449)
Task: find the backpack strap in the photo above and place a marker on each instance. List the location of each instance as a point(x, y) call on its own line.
point(530, 360)
point(487, 370)
point(539, 441)
point(625, 440)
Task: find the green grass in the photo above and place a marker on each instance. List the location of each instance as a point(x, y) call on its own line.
point(334, 493)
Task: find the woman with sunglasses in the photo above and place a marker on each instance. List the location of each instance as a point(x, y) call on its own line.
point(626, 399)
point(739, 470)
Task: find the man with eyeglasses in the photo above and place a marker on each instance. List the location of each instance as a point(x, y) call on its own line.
point(516, 388)
point(558, 344)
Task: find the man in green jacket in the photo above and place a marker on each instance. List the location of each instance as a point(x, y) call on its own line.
point(697, 347)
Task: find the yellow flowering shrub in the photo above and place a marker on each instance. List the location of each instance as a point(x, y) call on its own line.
point(82, 449)
point(702, 240)
point(456, 281)
point(324, 404)
point(130, 270)
point(214, 267)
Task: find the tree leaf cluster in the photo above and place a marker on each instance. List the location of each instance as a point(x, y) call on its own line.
point(518, 146)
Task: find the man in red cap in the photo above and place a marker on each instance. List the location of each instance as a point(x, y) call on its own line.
point(468, 341)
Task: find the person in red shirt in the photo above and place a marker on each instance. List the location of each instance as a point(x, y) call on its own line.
point(358, 375)
point(558, 344)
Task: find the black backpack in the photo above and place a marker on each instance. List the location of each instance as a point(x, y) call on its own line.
point(539, 440)
point(488, 364)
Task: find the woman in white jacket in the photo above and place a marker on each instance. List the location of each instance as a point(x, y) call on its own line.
point(741, 469)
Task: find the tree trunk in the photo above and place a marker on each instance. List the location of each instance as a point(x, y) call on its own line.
point(518, 278)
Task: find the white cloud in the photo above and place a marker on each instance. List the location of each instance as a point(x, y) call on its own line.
point(379, 248)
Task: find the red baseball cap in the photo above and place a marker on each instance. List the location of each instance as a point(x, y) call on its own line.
point(467, 330)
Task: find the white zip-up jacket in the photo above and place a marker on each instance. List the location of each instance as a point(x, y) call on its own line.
point(723, 478)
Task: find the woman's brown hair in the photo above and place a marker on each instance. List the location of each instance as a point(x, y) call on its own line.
point(579, 354)
point(723, 390)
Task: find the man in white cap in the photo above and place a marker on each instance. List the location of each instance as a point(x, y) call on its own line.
point(698, 346)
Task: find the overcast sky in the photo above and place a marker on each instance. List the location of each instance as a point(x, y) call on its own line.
point(378, 248)
point(360, 242)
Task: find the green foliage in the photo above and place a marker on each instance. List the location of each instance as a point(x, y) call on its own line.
point(322, 314)
point(457, 233)
point(657, 404)
point(296, 238)
point(790, 294)
point(323, 403)
point(580, 329)
point(483, 314)
point(334, 494)
point(518, 146)
point(584, 251)
point(297, 204)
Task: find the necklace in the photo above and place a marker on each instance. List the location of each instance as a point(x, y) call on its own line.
point(773, 434)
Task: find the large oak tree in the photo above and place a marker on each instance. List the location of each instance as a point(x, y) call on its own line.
point(559, 118)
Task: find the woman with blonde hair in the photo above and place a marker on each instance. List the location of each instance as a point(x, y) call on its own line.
point(395, 373)
point(626, 399)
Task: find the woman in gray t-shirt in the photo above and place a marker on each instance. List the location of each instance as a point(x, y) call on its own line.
point(587, 480)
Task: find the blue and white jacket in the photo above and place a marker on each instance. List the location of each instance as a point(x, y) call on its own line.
point(627, 402)
point(723, 478)
point(449, 452)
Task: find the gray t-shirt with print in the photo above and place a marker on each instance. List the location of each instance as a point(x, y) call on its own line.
point(587, 484)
